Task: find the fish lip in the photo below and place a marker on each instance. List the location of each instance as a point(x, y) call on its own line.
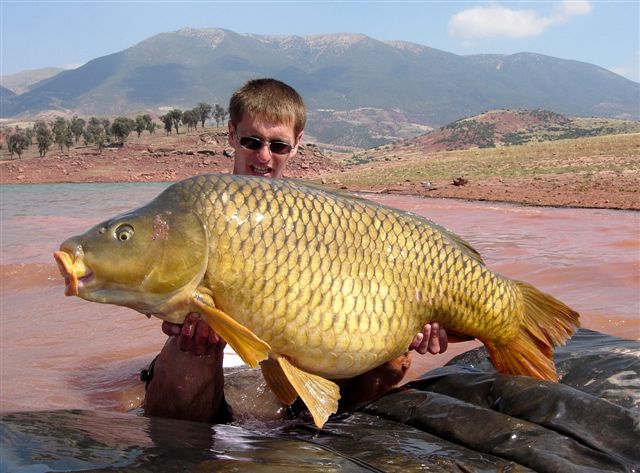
point(75, 273)
point(86, 279)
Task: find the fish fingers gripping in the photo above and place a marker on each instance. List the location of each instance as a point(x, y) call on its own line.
point(245, 343)
point(547, 323)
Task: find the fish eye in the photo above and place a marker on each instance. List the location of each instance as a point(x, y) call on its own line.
point(124, 232)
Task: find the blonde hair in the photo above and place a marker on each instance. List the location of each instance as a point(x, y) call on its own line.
point(269, 100)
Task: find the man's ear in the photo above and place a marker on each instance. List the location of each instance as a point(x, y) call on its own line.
point(299, 138)
point(232, 132)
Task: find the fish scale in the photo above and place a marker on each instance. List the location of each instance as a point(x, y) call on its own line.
point(325, 284)
point(279, 233)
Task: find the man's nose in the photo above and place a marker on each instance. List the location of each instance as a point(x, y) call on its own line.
point(263, 154)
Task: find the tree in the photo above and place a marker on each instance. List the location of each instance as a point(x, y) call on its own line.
point(151, 127)
point(176, 118)
point(62, 134)
point(168, 123)
point(143, 122)
point(219, 114)
point(140, 125)
point(77, 127)
point(146, 118)
point(28, 132)
point(44, 137)
point(17, 142)
point(122, 127)
point(96, 133)
point(191, 118)
point(203, 111)
point(106, 124)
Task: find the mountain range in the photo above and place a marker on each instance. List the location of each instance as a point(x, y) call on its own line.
point(360, 91)
point(24, 81)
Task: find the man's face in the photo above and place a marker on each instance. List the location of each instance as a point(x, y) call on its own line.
point(261, 162)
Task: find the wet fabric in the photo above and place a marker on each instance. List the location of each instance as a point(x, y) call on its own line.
point(461, 417)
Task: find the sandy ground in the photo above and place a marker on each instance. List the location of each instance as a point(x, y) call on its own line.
point(606, 191)
point(174, 158)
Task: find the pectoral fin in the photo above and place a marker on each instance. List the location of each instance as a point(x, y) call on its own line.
point(319, 395)
point(245, 343)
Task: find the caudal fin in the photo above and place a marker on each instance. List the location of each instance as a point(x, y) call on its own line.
point(547, 323)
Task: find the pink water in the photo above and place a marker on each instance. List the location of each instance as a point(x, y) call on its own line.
point(63, 352)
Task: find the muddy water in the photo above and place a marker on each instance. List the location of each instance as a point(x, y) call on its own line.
point(59, 352)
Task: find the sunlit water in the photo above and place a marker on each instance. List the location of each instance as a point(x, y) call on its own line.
point(63, 352)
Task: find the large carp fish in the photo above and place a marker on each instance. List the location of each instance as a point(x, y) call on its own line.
point(315, 284)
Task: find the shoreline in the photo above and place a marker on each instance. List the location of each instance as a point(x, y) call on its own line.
point(365, 191)
point(189, 155)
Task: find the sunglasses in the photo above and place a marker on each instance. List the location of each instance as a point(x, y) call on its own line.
point(275, 147)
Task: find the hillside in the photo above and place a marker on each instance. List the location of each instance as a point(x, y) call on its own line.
point(530, 156)
point(498, 128)
point(337, 74)
point(24, 81)
point(6, 93)
point(152, 158)
point(601, 171)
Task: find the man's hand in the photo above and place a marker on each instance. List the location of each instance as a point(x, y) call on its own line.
point(195, 336)
point(432, 339)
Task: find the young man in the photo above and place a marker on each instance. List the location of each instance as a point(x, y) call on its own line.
point(267, 119)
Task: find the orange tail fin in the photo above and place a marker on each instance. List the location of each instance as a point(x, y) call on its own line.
point(547, 323)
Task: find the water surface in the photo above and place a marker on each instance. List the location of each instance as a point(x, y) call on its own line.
point(63, 352)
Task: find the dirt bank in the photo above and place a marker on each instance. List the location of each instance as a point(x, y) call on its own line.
point(161, 158)
point(606, 192)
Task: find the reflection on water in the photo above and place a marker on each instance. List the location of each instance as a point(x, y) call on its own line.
point(461, 417)
point(68, 353)
point(89, 440)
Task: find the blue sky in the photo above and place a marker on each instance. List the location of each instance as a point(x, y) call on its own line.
point(37, 34)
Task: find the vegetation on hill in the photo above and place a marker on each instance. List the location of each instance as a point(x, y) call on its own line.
point(599, 171)
point(514, 127)
point(536, 157)
point(596, 154)
point(496, 129)
point(102, 132)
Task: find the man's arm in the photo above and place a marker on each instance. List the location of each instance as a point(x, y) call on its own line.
point(187, 381)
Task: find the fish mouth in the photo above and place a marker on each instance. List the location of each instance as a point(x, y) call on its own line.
point(74, 271)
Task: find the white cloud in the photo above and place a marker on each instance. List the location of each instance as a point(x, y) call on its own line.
point(498, 21)
point(569, 8)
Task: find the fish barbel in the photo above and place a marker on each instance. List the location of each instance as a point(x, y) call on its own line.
point(315, 284)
